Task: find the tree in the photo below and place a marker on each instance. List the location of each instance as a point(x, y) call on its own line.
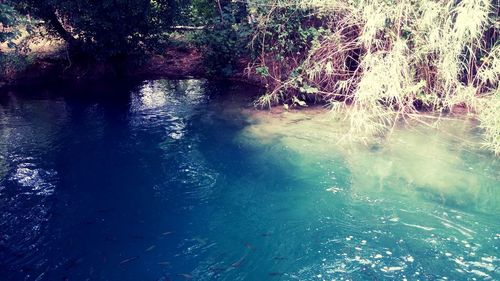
point(106, 28)
point(8, 22)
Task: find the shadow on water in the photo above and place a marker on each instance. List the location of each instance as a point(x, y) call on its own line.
point(45, 132)
point(87, 173)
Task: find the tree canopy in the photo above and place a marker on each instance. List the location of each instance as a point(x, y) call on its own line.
point(105, 28)
point(8, 19)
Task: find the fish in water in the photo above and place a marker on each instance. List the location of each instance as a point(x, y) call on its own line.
point(275, 274)
point(166, 233)
point(238, 263)
point(266, 234)
point(129, 260)
point(280, 258)
point(186, 276)
point(150, 248)
point(40, 277)
point(248, 246)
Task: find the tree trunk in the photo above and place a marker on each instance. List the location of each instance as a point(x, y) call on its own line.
point(61, 31)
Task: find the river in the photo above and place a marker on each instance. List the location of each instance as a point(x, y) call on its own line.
point(184, 180)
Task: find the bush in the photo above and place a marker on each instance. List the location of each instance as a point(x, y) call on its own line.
point(225, 40)
point(383, 59)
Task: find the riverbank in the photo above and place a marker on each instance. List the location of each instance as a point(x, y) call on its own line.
point(184, 61)
point(175, 62)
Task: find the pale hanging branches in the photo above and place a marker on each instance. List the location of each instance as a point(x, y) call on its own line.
point(383, 59)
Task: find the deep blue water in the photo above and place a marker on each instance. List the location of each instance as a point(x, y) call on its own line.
point(168, 180)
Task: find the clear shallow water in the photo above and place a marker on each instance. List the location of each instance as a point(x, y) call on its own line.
point(179, 180)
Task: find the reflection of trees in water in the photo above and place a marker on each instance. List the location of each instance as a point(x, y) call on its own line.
point(168, 107)
point(159, 96)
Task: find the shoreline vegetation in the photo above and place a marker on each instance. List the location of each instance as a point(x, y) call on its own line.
point(374, 63)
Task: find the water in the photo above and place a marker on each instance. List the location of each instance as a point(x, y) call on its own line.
point(180, 180)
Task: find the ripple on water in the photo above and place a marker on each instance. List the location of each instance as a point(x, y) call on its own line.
point(285, 201)
point(159, 104)
point(24, 197)
point(192, 173)
point(35, 180)
point(406, 193)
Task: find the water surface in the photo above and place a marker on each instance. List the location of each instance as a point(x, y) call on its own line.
point(180, 180)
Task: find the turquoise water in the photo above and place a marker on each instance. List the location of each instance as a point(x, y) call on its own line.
point(182, 180)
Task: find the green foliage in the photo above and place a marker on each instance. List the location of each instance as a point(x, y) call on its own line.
point(107, 28)
point(283, 36)
point(12, 63)
point(225, 40)
point(194, 12)
point(9, 20)
point(262, 71)
point(286, 32)
point(12, 25)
